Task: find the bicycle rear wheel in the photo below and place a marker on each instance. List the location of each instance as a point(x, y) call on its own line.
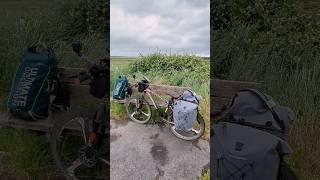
point(195, 133)
point(74, 154)
point(138, 110)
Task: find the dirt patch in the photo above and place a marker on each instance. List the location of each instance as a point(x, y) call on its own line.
point(161, 126)
point(160, 173)
point(114, 137)
point(159, 153)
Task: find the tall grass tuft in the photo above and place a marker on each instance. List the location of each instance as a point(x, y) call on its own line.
point(27, 154)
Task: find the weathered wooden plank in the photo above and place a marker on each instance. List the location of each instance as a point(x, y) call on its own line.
point(71, 71)
point(41, 125)
point(164, 90)
point(219, 103)
point(82, 104)
point(158, 103)
point(80, 91)
point(227, 88)
point(67, 74)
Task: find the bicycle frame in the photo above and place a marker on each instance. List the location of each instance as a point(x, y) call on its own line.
point(149, 93)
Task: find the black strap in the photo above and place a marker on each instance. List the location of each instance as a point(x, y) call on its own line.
point(189, 101)
point(271, 130)
point(269, 103)
point(195, 97)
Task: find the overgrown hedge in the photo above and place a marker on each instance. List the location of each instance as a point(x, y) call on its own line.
point(168, 65)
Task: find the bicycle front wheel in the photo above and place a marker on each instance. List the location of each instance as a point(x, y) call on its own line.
point(73, 154)
point(138, 110)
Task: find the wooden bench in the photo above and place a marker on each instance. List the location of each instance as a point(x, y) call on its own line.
point(162, 90)
point(82, 104)
point(222, 92)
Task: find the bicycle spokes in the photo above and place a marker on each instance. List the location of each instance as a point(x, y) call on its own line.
point(195, 131)
point(145, 114)
point(138, 110)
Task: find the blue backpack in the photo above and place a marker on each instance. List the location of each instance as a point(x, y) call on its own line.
point(29, 96)
point(119, 91)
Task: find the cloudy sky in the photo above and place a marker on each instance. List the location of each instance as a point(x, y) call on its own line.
point(146, 26)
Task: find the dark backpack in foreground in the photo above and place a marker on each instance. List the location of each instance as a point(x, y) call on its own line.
point(29, 96)
point(119, 91)
point(248, 142)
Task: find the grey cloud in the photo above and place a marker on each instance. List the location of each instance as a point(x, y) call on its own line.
point(168, 25)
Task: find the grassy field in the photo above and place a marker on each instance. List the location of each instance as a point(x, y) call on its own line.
point(118, 61)
point(23, 23)
point(177, 70)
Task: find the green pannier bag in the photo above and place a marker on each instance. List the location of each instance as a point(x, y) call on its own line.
point(119, 91)
point(29, 96)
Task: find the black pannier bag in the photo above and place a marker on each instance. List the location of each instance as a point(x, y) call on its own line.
point(99, 74)
point(60, 90)
point(143, 85)
point(248, 142)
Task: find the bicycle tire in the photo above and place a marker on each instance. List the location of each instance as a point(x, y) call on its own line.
point(55, 136)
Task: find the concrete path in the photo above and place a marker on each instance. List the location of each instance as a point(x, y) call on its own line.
point(150, 152)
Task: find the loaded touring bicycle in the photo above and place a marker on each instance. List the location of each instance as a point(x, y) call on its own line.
point(181, 110)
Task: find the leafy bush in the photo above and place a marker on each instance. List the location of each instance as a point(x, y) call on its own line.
point(180, 67)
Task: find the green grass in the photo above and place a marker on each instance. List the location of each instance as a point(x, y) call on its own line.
point(28, 154)
point(205, 175)
point(118, 111)
point(117, 61)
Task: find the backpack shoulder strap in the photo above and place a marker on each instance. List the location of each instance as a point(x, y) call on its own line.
point(268, 102)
